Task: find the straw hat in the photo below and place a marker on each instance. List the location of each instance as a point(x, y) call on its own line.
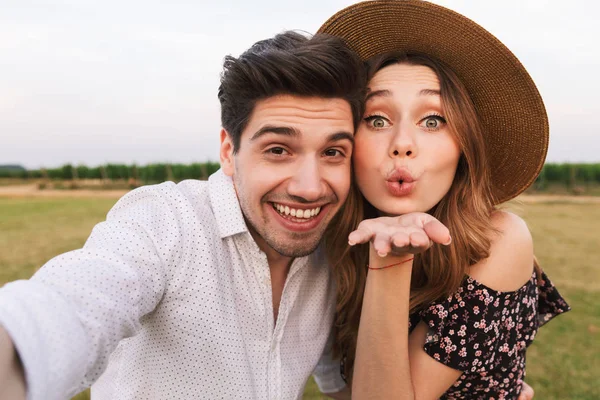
point(506, 99)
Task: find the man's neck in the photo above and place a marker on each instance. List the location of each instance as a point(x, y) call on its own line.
point(279, 267)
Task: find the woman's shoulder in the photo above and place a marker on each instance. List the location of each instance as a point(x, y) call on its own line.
point(510, 263)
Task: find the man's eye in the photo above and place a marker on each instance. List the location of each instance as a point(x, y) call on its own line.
point(333, 153)
point(377, 121)
point(277, 150)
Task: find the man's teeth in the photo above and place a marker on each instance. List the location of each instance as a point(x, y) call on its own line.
point(297, 212)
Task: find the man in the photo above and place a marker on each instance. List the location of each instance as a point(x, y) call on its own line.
point(207, 289)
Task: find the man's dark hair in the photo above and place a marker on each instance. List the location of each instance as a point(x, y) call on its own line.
point(289, 63)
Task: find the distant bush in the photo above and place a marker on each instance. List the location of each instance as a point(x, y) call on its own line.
point(569, 175)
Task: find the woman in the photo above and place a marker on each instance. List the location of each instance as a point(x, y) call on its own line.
point(453, 126)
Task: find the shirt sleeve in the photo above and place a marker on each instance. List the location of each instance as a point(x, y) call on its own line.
point(328, 374)
point(69, 317)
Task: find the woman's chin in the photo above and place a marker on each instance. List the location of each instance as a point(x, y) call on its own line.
point(392, 210)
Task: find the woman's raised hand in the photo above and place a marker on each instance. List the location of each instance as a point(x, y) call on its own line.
point(407, 234)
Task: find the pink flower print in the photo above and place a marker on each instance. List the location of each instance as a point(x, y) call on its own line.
point(478, 353)
point(476, 310)
point(462, 352)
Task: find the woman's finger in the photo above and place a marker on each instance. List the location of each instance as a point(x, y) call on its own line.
point(437, 231)
point(400, 240)
point(382, 244)
point(419, 240)
point(362, 234)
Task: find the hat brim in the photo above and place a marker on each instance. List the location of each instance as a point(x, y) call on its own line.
point(507, 101)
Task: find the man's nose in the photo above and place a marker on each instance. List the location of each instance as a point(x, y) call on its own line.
point(307, 183)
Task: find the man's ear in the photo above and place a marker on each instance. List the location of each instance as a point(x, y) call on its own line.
point(226, 153)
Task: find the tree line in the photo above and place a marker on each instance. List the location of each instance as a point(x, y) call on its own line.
point(552, 173)
point(150, 173)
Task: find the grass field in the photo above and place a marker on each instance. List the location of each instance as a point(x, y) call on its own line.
point(563, 362)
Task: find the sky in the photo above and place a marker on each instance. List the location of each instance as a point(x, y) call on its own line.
point(135, 81)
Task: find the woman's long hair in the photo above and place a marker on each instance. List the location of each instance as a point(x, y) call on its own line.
point(466, 211)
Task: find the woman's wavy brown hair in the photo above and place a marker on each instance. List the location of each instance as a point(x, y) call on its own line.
point(466, 211)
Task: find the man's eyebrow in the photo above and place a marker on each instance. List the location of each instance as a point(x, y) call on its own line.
point(335, 137)
point(429, 92)
point(278, 130)
point(378, 93)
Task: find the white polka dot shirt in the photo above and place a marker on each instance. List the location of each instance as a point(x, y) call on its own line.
point(170, 298)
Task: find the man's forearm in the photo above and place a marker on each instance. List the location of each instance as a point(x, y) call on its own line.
point(343, 394)
point(12, 377)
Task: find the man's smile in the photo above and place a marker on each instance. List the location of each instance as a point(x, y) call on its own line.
point(296, 212)
point(298, 219)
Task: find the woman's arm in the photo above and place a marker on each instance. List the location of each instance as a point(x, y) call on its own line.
point(391, 364)
point(382, 367)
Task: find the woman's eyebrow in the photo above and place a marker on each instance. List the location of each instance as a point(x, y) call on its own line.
point(429, 92)
point(378, 93)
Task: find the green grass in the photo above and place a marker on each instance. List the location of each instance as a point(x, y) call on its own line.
point(562, 362)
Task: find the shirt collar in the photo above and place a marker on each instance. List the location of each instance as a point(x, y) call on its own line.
point(225, 205)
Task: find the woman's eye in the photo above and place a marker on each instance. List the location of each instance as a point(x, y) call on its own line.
point(376, 121)
point(433, 122)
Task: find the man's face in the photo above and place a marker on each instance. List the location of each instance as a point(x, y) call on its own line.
point(292, 170)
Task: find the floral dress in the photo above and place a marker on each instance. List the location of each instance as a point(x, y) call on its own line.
point(485, 333)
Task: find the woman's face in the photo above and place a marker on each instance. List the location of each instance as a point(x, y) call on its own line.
point(405, 157)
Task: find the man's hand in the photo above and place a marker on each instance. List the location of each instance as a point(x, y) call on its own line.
point(343, 394)
point(12, 378)
point(526, 392)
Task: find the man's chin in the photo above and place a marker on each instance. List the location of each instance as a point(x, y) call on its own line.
point(295, 248)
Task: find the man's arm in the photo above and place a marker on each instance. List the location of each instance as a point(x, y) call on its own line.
point(12, 378)
point(328, 374)
point(69, 317)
